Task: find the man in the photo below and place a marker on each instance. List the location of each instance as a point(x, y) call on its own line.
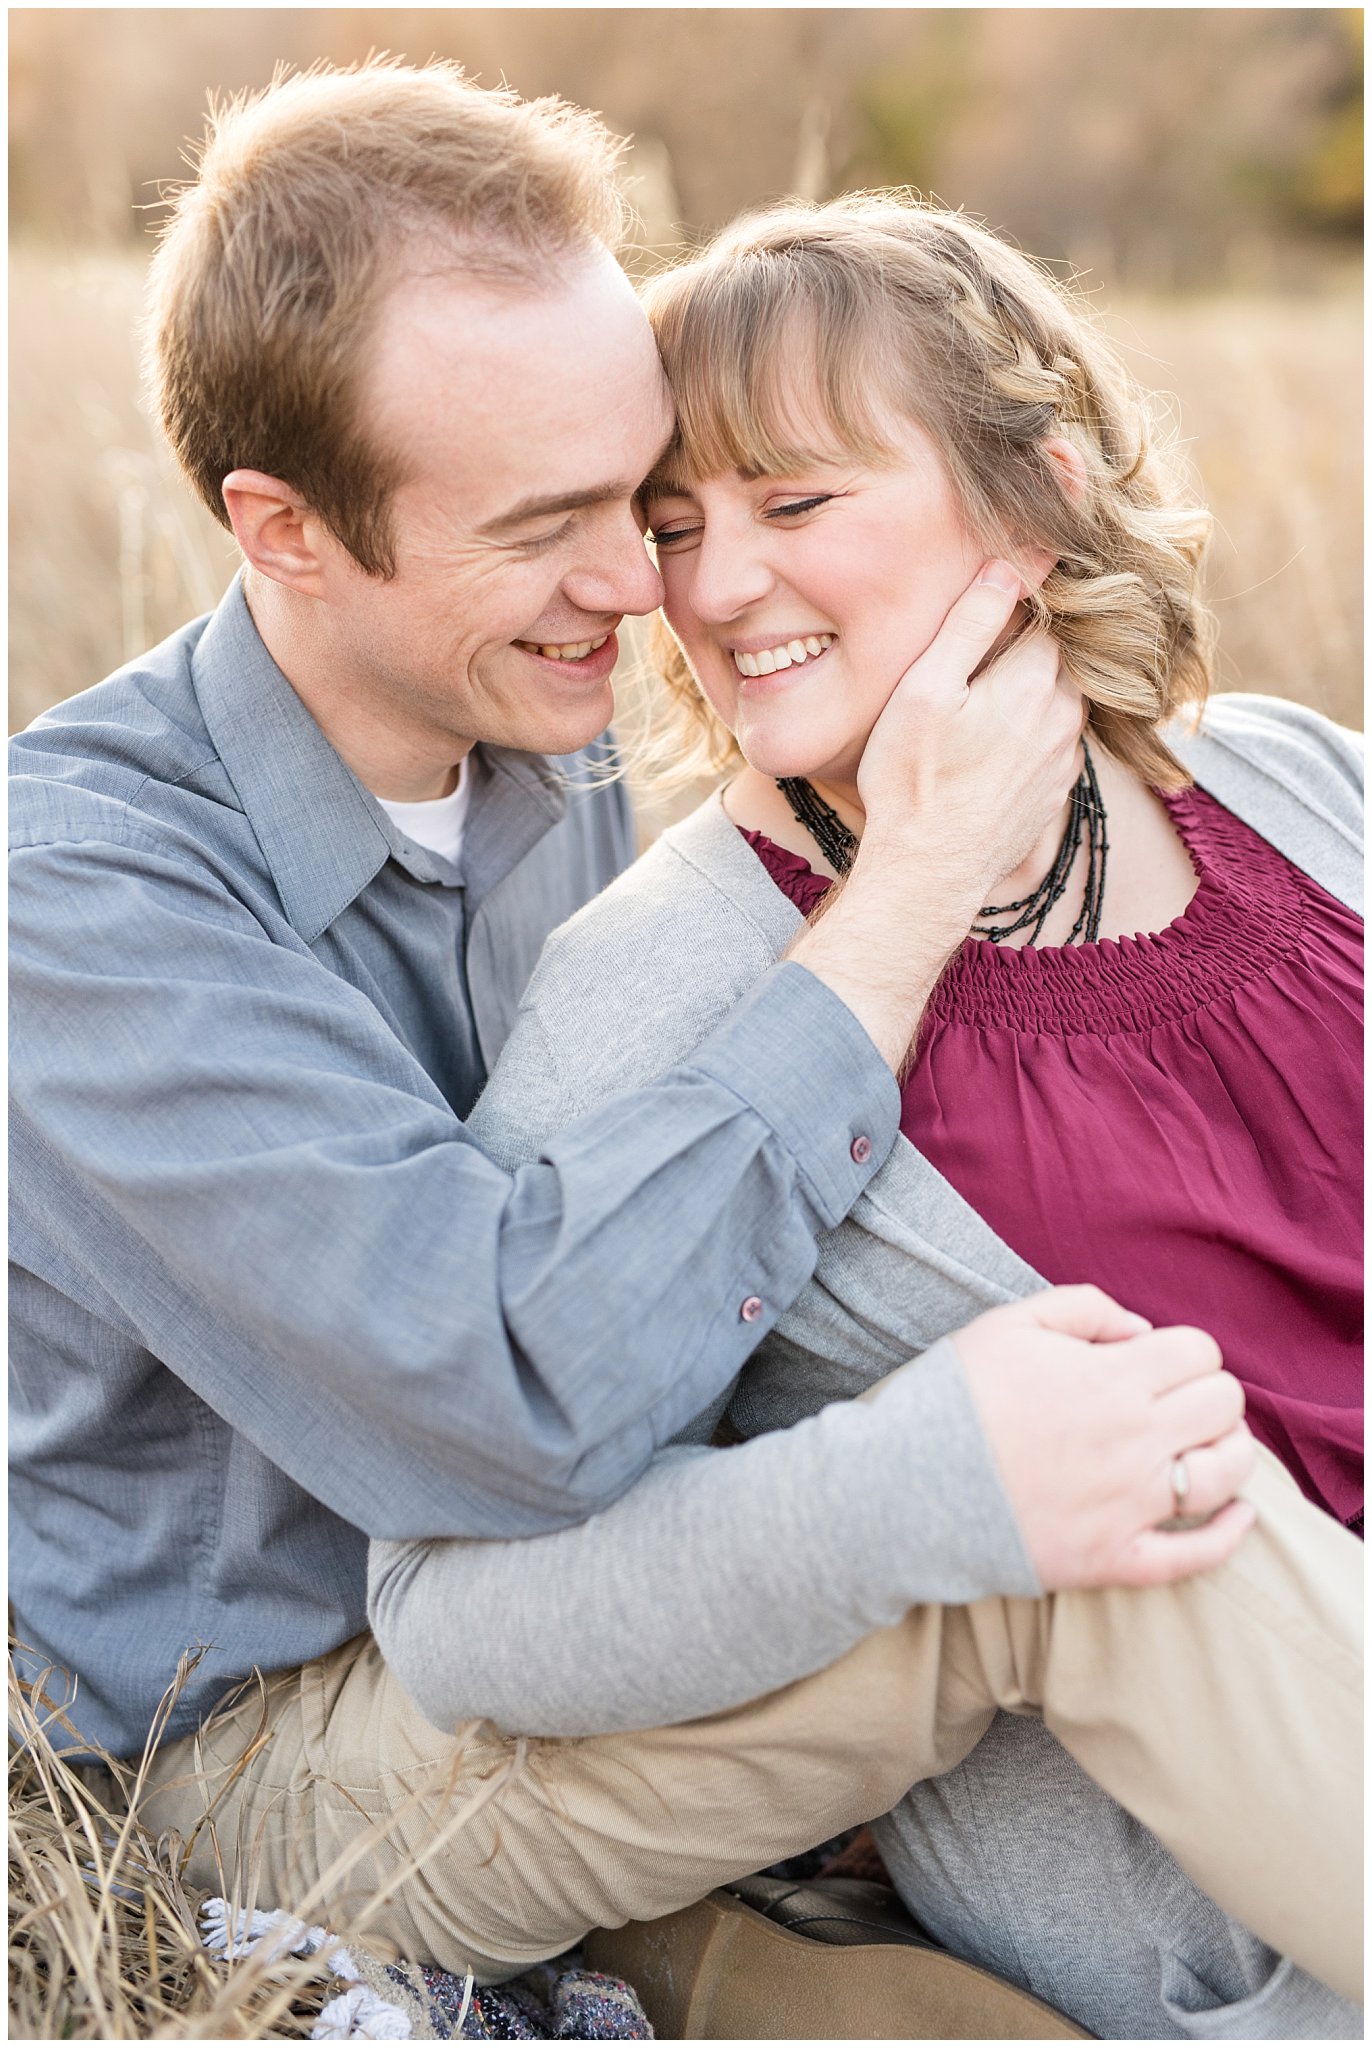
point(276, 890)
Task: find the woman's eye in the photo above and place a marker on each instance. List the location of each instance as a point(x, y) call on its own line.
point(664, 536)
point(796, 506)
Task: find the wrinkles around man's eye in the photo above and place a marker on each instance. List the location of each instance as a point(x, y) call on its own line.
point(540, 543)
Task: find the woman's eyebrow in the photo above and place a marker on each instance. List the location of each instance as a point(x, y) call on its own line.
point(662, 484)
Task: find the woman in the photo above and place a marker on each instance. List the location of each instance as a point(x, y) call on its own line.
point(1140, 1070)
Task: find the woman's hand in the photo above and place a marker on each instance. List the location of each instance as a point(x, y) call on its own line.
point(970, 774)
point(1086, 1409)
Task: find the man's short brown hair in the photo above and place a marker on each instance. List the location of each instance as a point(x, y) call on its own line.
point(307, 199)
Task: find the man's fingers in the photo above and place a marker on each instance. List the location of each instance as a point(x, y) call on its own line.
point(1160, 1556)
point(1086, 1312)
point(973, 625)
point(1199, 1411)
point(1033, 657)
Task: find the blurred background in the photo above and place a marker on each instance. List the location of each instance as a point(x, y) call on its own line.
point(1200, 170)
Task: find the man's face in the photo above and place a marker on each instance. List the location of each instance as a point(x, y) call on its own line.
point(524, 418)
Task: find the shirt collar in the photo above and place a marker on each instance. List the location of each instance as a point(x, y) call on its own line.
point(322, 834)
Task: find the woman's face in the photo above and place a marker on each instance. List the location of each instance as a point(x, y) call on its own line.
point(801, 600)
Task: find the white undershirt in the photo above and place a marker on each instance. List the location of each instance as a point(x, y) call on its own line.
point(439, 823)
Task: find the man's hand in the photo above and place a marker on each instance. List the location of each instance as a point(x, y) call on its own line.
point(971, 773)
point(959, 780)
point(1085, 1408)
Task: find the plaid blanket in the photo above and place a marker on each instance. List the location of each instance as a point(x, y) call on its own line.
point(375, 2001)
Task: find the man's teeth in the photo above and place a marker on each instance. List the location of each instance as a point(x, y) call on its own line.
point(576, 653)
point(790, 654)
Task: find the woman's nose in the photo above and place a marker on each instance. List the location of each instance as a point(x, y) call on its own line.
point(724, 577)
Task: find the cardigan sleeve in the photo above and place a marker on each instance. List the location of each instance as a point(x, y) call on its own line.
point(720, 1576)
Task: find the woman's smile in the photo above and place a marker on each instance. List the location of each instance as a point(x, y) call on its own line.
point(784, 654)
point(800, 601)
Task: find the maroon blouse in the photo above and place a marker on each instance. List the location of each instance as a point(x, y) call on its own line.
point(1176, 1116)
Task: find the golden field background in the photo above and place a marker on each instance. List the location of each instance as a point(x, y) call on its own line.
point(1200, 168)
point(110, 551)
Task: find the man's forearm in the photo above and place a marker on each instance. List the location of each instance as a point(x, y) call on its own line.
point(883, 938)
point(281, 1207)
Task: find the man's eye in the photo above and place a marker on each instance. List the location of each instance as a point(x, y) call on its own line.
point(797, 506)
point(539, 543)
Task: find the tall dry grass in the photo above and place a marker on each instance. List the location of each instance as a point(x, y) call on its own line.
point(1267, 395)
point(109, 550)
point(104, 1943)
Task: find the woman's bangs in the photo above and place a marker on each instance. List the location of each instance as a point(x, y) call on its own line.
point(758, 395)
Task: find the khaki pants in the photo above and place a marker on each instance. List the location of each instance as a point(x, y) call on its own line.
point(1224, 1712)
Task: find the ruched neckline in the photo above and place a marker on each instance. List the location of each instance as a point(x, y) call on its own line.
point(1244, 917)
point(1175, 1116)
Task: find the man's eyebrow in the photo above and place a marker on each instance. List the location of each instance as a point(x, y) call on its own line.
point(562, 501)
point(567, 501)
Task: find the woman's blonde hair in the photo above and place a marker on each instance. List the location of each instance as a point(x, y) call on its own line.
point(889, 306)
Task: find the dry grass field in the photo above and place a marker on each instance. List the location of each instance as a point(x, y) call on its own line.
point(109, 551)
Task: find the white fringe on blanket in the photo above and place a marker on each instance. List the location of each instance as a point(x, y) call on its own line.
point(356, 2014)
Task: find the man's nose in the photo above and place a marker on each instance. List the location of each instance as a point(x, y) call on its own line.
point(618, 575)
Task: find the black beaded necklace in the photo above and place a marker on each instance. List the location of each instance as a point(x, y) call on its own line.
point(1085, 817)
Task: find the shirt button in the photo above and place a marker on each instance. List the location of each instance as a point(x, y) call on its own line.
point(751, 1309)
point(861, 1149)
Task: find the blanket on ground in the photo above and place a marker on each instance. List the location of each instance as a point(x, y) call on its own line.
point(374, 2000)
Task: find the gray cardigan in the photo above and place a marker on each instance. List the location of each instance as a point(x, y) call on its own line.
point(722, 1575)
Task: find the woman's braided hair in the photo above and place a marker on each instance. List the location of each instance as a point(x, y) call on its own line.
point(882, 308)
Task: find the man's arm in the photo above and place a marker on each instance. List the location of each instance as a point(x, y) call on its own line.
point(233, 1145)
point(276, 1199)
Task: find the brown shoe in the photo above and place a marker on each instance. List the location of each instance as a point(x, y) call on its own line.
point(835, 1959)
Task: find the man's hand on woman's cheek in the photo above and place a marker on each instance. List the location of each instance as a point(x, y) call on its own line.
point(1088, 1411)
point(971, 775)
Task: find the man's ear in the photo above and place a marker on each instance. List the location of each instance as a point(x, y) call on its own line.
point(1070, 465)
point(279, 535)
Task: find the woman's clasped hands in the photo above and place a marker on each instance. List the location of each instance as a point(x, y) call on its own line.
point(1087, 1410)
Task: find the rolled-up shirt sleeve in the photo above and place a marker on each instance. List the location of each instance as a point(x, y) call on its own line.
point(243, 1164)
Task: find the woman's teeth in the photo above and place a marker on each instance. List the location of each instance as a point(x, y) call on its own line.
point(789, 655)
point(576, 653)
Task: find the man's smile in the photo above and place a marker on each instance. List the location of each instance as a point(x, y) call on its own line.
point(587, 660)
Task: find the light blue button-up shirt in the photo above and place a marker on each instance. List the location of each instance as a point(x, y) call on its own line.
point(269, 1298)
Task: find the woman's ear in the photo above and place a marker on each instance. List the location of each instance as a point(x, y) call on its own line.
point(1070, 466)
